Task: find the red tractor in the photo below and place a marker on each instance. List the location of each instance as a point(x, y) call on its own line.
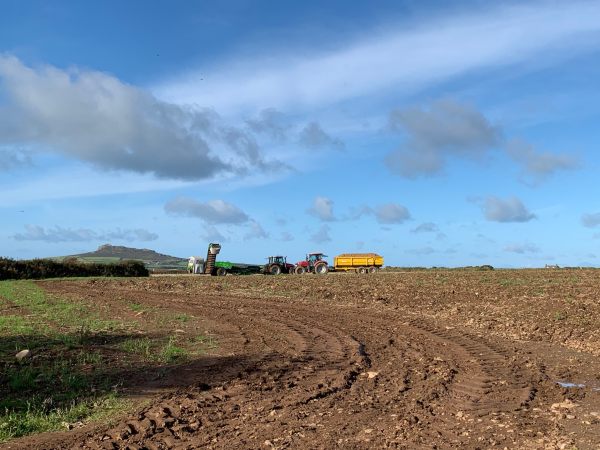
point(277, 265)
point(314, 263)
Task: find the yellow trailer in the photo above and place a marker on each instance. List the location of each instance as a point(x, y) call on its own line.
point(358, 262)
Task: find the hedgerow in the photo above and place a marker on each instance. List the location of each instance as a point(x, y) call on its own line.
point(11, 269)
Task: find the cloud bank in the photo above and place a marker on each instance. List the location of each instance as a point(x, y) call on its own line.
point(591, 220)
point(212, 212)
point(59, 234)
point(446, 129)
point(506, 210)
point(218, 216)
point(538, 166)
point(403, 60)
point(451, 129)
point(521, 249)
point(322, 209)
point(94, 117)
point(389, 213)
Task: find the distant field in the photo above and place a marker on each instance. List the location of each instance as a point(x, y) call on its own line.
point(174, 264)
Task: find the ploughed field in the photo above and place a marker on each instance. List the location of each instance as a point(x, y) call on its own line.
point(424, 359)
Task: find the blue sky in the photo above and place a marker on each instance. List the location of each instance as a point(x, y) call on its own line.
point(434, 133)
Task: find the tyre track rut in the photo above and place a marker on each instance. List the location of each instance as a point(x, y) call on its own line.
point(325, 376)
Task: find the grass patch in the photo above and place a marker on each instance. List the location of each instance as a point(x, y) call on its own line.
point(80, 357)
point(62, 313)
point(16, 325)
point(172, 352)
point(62, 383)
point(138, 346)
point(208, 342)
point(36, 419)
point(183, 317)
point(137, 307)
point(153, 351)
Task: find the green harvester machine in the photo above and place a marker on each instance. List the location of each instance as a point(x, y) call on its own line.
point(210, 265)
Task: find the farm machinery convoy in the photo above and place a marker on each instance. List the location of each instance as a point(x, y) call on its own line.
point(277, 265)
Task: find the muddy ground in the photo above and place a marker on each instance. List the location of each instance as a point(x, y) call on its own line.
point(429, 359)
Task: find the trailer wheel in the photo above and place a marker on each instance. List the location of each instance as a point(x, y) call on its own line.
point(321, 269)
point(299, 270)
point(362, 270)
point(372, 269)
point(221, 271)
point(275, 269)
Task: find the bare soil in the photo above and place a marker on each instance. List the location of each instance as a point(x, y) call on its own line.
point(431, 359)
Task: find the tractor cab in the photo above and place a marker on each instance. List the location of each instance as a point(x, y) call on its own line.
point(314, 262)
point(282, 260)
point(277, 265)
point(312, 258)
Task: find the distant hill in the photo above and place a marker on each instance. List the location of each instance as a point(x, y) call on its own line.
point(118, 251)
point(111, 253)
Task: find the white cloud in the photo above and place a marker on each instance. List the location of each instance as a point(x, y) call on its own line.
point(537, 166)
point(403, 60)
point(270, 122)
point(591, 220)
point(14, 158)
point(506, 210)
point(215, 213)
point(426, 227)
point(212, 212)
point(286, 236)
point(321, 235)
point(322, 208)
point(77, 180)
point(391, 213)
point(94, 117)
point(211, 233)
point(447, 128)
point(256, 231)
point(522, 248)
point(59, 234)
point(313, 136)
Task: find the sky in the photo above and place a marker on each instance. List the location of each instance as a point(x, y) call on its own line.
point(433, 133)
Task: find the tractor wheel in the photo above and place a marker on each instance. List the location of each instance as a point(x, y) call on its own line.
point(362, 270)
point(275, 269)
point(221, 271)
point(372, 269)
point(299, 270)
point(321, 269)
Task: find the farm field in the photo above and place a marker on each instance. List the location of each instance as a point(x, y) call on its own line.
point(422, 359)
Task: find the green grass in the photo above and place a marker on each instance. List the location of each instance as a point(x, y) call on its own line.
point(165, 352)
point(208, 342)
point(138, 346)
point(171, 352)
point(35, 419)
point(16, 325)
point(183, 317)
point(70, 377)
point(52, 388)
point(136, 307)
point(63, 314)
point(100, 259)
